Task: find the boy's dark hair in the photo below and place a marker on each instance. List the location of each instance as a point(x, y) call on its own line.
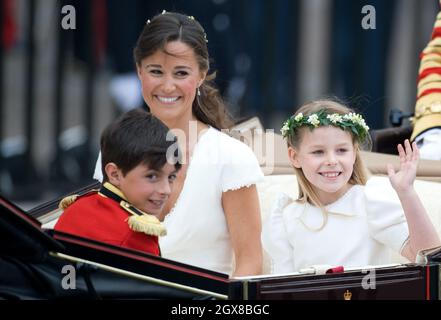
point(137, 137)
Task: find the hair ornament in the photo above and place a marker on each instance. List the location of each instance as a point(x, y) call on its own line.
point(352, 122)
point(189, 17)
point(205, 35)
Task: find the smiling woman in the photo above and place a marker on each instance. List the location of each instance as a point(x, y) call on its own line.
point(170, 79)
point(212, 216)
point(176, 44)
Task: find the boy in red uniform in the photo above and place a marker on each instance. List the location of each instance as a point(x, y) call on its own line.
point(137, 183)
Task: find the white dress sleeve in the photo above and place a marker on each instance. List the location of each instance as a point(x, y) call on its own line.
point(385, 216)
point(240, 168)
point(98, 174)
point(275, 239)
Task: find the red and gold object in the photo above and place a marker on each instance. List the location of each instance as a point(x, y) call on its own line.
point(105, 216)
point(428, 104)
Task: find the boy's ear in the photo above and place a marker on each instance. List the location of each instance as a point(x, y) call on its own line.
point(294, 157)
point(113, 173)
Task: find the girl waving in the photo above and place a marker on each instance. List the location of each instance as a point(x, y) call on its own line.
point(341, 217)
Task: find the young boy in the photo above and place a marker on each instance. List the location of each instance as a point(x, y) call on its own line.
point(137, 183)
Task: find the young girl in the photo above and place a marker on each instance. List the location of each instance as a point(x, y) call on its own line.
point(340, 218)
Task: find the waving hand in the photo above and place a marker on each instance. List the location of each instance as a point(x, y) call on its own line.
point(403, 179)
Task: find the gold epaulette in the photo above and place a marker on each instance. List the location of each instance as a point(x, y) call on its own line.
point(67, 201)
point(140, 221)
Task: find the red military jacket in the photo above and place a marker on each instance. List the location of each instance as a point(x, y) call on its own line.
point(101, 218)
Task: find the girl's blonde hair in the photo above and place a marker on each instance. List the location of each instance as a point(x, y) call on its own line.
point(359, 175)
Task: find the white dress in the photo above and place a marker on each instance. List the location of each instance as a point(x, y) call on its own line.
point(363, 226)
point(197, 231)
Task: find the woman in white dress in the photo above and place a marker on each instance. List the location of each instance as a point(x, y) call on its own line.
point(213, 215)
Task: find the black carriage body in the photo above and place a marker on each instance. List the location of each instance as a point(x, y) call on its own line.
point(403, 282)
point(37, 264)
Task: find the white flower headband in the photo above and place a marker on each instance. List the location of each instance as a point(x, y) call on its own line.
point(352, 122)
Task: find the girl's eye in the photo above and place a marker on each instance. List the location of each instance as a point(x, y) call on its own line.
point(342, 150)
point(171, 177)
point(317, 152)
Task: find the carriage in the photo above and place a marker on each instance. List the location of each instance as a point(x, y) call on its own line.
point(37, 262)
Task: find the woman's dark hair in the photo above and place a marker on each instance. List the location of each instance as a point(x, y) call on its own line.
point(137, 137)
point(170, 26)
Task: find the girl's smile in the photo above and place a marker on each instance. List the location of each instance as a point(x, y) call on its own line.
point(331, 175)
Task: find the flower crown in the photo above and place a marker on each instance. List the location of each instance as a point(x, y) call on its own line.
point(351, 121)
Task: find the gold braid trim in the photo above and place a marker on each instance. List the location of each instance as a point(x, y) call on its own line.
point(67, 201)
point(145, 223)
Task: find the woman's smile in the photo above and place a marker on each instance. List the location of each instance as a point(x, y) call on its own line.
point(167, 100)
